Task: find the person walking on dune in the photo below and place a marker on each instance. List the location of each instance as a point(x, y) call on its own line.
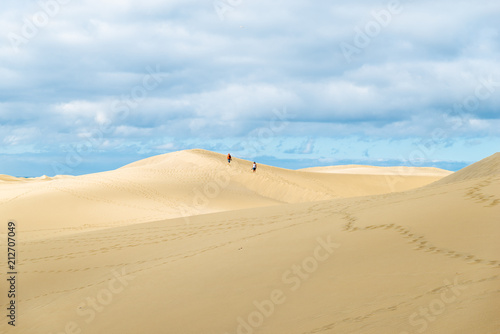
point(229, 158)
point(254, 167)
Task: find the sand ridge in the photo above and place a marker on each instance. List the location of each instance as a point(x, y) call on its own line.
point(375, 170)
point(423, 260)
point(485, 168)
point(179, 184)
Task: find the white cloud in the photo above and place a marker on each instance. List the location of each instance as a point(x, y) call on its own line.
point(222, 79)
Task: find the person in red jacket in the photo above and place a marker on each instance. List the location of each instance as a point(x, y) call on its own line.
point(229, 158)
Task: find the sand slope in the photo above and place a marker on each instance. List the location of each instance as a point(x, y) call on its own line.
point(425, 260)
point(174, 185)
point(374, 170)
point(488, 167)
point(7, 178)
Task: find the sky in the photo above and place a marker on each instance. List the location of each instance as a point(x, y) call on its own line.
point(88, 86)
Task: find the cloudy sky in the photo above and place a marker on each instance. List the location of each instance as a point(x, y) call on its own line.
point(88, 86)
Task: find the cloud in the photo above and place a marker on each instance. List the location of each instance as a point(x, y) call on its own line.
point(222, 79)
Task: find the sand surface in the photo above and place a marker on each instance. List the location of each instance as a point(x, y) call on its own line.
point(179, 184)
point(279, 251)
point(374, 170)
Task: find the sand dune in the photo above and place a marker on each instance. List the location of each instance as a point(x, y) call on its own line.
point(179, 184)
point(8, 178)
point(488, 167)
point(375, 170)
point(423, 260)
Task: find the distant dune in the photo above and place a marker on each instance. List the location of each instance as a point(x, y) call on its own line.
point(7, 178)
point(179, 184)
point(373, 170)
point(278, 251)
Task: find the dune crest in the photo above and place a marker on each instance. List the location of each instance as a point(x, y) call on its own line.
point(180, 184)
point(488, 167)
point(425, 260)
point(376, 170)
point(8, 178)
